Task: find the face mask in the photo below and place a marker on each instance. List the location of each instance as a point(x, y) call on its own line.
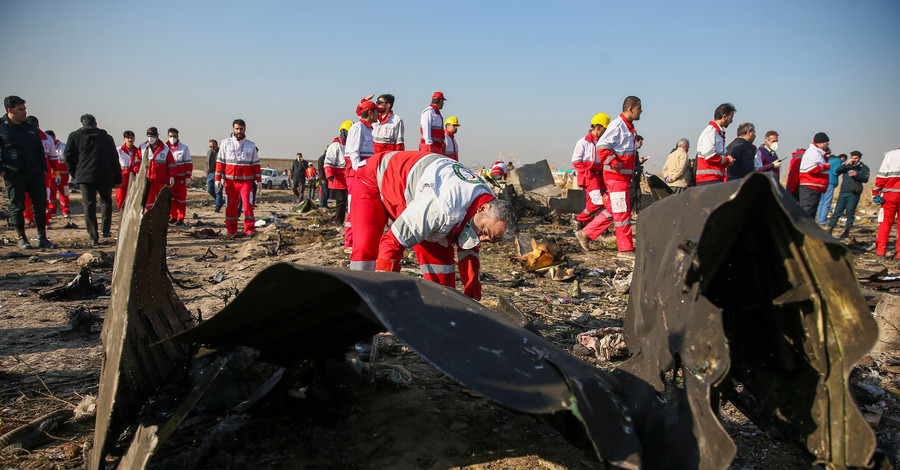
point(172, 140)
point(773, 146)
point(152, 140)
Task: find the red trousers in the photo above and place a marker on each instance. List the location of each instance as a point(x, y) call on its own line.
point(890, 207)
point(155, 188)
point(620, 206)
point(179, 199)
point(594, 201)
point(28, 213)
point(122, 190)
point(369, 216)
point(599, 222)
point(239, 191)
point(348, 223)
point(63, 188)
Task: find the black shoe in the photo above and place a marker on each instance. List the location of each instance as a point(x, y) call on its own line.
point(94, 243)
point(23, 243)
point(107, 234)
point(845, 234)
point(171, 221)
point(45, 243)
point(217, 209)
point(179, 223)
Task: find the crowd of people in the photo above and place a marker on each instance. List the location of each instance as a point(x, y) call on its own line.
point(439, 208)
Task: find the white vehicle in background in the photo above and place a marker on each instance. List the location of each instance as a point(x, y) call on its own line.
point(272, 178)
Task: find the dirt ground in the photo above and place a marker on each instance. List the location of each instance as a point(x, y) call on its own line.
point(429, 422)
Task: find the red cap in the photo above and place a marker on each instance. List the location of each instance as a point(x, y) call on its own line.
point(438, 96)
point(366, 104)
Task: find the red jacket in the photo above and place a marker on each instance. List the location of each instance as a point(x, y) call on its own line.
point(161, 161)
point(238, 160)
point(617, 146)
point(814, 169)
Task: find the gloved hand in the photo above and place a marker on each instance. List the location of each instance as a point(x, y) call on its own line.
point(58, 180)
point(187, 181)
point(878, 199)
point(219, 185)
point(171, 181)
point(776, 163)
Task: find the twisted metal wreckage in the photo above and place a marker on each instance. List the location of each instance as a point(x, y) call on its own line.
point(735, 294)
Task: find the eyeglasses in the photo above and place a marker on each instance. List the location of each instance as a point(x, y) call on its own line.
point(379, 102)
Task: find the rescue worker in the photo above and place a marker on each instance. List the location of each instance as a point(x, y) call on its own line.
point(387, 131)
point(60, 191)
point(311, 182)
point(616, 149)
point(590, 178)
point(711, 151)
point(237, 168)
point(129, 163)
point(184, 168)
point(161, 170)
point(22, 165)
point(813, 174)
point(359, 147)
point(451, 126)
point(886, 193)
point(335, 166)
point(793, 177)
point(431, 125)
point(435, 203)
point(50, 177)
point(498, 170)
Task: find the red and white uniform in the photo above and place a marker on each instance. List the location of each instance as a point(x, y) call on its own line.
point(387, 133)
point(617, 147)
point(498, 170)
point(887, 184)
point(160, 169)
point(335, 164)
point(237, 164)
point(183, 169)
point(129, 163)
point(432, 200)
point(590, 178)
point(814, 169)
point(711, 152)
point(451, 150)
point(359, 147)
point(431, 128)
point(63, 186)
point(53, 165)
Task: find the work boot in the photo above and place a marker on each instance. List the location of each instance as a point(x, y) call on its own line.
point(43, 242)
point(845, 233)
point(583, 240)
point(23, 239)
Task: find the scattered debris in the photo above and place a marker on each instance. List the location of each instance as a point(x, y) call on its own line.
point(561, 274)
point(78, 288)
point(206, 233)
point(605, 343)
point(218, 277)
point(542, 256)
point(34, 433)
point(207, 255)
point(95, 259)
point(82, 324)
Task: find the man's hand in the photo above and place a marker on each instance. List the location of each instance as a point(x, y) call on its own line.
point(852, 172)
point(729, 160)
point(776, 163)
point(171, 181)
point(369, 97)
point(644, 159)
point(826, 166)
point(57, 179)
point(219, 185)
point(878, 199)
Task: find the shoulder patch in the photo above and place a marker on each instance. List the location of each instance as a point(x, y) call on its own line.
point(466, 174)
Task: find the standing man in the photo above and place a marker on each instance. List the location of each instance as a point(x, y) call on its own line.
point(617, 150)
point(92, 159)
point(743, 152)
point(335, 166)
point(886, 193)
point(677, 170)
point(451, 150)
point(161, 165)
point(635, 187)
point(211, 174)
point(813, 174)
point(387, 132)
point(435, 203)
point(711, 151)
point(590, 178)
point(766, 158)
point(23, 165)
point(298, 176)
point(828, 196)
point(359, 147)
point(237, 167)
point(323, 181)
point(129, 162)
point(60, 190)
point(184, 168)
point(855, 174)
point(431, 125)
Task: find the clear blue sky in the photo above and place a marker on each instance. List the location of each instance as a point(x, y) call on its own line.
point(523, 78)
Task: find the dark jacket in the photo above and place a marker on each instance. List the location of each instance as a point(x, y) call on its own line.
point(20, 147)
point(744, 154)
point(298, 171)
point(92, 158)
point(862, 176)
point(211, 162)
point(320, 170)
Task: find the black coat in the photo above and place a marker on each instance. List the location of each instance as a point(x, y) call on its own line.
point(92, 158)
point(744, 153)
point(298, 171)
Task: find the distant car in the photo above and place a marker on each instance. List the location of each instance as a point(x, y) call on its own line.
point(271, 178)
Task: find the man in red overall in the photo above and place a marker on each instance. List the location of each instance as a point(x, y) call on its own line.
point(129, 162)
point(435, 203)
point(183, 169)
point(161, 169)
point(360, 145)
point(886, 193)
point(431, 125)
point(237, 167)
point(595, 218)
point(616, 149)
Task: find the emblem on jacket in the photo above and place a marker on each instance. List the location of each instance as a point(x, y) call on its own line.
point(466, 174)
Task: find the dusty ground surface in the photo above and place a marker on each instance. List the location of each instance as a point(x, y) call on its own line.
point(431, 422)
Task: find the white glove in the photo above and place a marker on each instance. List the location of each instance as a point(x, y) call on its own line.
point(219, 185)
point(776, 163)
point(187, 180)
point(58, 180)
point(171, 181)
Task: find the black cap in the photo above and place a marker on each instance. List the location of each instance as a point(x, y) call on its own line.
point(856, 153)
point(152, 131)
point(821, 138)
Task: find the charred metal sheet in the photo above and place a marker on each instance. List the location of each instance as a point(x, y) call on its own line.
point(737, 292)
point(143, 309)
point(658, 188)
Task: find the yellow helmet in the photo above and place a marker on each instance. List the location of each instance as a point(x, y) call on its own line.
point(345, 126)
point(600, 118)
point(451, 121)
